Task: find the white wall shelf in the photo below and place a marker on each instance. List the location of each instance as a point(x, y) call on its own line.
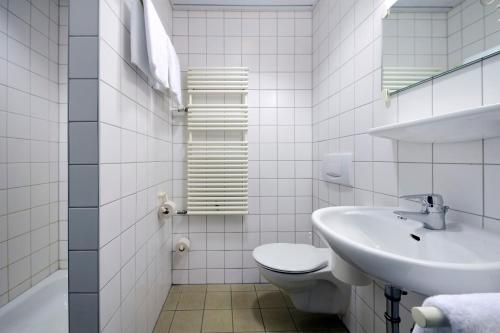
point(465, 125)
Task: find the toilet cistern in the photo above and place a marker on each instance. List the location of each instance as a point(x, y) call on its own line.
point(432, 212)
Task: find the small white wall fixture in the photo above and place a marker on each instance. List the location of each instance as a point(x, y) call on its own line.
point(337, 168)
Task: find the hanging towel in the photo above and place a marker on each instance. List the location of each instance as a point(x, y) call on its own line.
point(174, 74)
point(467, 313)
point(138, 47)
point(157, 45)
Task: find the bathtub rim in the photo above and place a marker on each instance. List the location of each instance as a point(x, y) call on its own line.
point(60, 274)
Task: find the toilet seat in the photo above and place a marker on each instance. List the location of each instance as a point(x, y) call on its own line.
point(291, 258)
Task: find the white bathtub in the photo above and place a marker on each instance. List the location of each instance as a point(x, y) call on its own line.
point(41, 309)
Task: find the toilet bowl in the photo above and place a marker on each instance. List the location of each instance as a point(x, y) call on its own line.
point(305, 273)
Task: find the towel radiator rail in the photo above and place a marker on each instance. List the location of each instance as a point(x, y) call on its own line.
point(217, 170)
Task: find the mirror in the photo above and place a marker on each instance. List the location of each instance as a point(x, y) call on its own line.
point(425, 38)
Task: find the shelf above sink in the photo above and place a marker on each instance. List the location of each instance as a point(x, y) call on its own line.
point(466, 125)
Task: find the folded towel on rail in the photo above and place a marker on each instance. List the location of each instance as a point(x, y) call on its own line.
point(467, 313)
point(138, 46)
point(174, 73)
point(157, 44)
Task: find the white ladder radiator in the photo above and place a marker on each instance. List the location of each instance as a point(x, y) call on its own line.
point(217, 150)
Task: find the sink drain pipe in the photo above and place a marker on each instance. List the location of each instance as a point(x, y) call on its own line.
point(392, 299)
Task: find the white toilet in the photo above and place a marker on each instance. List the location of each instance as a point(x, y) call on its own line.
point(306, 274)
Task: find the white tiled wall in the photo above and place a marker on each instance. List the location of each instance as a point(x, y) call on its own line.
point(347, 101)
point(472, 29)
point(29, 137)
point(135, 143)
point(276, 46)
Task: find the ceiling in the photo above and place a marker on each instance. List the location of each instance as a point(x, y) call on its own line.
point(428, 3)
point(245, 3)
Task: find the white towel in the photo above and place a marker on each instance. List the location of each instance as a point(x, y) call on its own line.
point(157, 43)
point(138, 47)
point(174, 74)
point(468, 313)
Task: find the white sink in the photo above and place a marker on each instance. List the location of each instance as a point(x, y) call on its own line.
point(460, 259)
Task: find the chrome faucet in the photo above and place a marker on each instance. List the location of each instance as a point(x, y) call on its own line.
point(432, 213)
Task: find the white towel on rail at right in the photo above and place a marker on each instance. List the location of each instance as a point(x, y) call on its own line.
point(174, 74)
point(467, 313)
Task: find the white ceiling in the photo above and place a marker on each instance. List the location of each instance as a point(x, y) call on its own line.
point(238, 3)
point(428, 3)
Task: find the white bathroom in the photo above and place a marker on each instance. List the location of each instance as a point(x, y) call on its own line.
point(216, 166)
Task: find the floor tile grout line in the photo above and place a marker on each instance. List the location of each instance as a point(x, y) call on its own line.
point(232, 314)
point(171, 322)
point(203, 311)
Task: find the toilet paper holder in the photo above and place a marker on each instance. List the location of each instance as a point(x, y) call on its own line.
point(165, 205)
point(179, 212)
point(164, 210)
point(182, 245)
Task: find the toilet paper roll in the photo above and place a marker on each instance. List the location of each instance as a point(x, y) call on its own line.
point(168, 208)
point(183, 245)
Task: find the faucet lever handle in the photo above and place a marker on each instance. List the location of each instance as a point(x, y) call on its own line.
point(427, 199)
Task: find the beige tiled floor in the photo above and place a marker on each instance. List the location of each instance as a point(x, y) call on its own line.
point(245, 308)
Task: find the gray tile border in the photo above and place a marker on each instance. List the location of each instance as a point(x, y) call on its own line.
point(84, 17)
point(83, 143)
point(84, 100)
point(83, 57)
point(83, 313)
point(83, 271)
point(83, 229)
point(83, 186)
point(83, 169)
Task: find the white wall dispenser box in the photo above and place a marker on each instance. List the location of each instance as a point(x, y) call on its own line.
point(337, 168)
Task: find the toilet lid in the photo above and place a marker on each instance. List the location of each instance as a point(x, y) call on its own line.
point(291, 258)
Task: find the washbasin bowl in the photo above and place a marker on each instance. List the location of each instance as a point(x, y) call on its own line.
point(460, 259)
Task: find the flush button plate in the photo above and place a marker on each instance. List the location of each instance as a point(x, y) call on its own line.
point(337, 168)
